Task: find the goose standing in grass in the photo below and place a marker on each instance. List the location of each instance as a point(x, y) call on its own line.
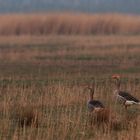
point(94, 105)
point(124, 96)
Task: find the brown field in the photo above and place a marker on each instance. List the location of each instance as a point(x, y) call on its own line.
point(69, 24)
point(70, 55)
point(42, 86)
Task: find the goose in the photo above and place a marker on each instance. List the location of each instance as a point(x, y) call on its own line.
point(124, 96)
point(94, 105)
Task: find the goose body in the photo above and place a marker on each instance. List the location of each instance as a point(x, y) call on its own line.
point(94, 105)
point(124, 96)
point(127, 98)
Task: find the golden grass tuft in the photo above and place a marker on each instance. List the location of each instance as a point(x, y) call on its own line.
point(102, 116)
point(107, 119)
point(26, 115)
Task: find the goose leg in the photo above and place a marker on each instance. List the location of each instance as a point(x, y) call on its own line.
point(126, 107)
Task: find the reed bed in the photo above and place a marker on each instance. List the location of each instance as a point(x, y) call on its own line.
point(68, 24)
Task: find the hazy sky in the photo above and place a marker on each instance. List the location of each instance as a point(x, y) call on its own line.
point(123, 6)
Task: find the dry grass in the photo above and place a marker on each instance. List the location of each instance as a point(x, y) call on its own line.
point(60, 111)
point(42, 87)
point(26, 115)
point(58, 23)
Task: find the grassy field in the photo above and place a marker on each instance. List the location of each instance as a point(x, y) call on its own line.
point(43, 80)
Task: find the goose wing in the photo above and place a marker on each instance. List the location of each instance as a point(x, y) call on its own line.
point(96, 104)
point(128, 97)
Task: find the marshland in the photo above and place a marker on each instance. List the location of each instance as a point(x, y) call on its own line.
point(46, 62)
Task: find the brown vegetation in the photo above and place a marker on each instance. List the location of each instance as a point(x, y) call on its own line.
point(27, 115)
point(44, 24)
point(63, 113)
point(104, 116)
point(108, 119)
point(71, 54)
point(42, 82)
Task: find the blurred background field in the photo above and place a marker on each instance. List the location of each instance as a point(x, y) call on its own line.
point(71, 56)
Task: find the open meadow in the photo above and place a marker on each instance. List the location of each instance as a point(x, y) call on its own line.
point(43, 80)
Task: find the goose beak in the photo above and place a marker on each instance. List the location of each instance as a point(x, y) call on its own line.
point(115, 76)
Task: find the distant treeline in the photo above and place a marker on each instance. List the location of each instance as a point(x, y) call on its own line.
point(68, 24)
